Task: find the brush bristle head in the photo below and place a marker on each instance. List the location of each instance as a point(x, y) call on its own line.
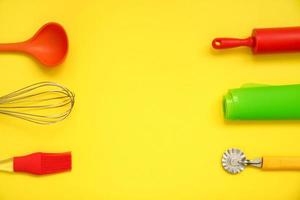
point(43, 163)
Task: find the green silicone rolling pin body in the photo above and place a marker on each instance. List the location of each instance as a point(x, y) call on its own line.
point(262, 102)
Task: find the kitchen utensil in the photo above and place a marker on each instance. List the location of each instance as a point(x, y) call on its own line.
point(265, 40)
point(49, 45)
point(41, 103)
point(234, 162)
point(38, 163)
point(262, 102)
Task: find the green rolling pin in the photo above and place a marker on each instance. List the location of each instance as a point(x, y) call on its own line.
point(262, 102)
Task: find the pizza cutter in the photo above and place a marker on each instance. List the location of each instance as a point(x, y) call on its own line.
point(234, 161)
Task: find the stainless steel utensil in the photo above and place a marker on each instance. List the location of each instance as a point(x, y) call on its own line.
point(41, 103)
point(234, 161)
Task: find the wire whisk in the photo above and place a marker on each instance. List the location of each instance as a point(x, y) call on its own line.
point(40, 103)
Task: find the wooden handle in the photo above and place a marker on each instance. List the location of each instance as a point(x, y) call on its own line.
point(281, 163)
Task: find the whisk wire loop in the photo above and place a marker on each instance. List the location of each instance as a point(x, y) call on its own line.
point(41, 103)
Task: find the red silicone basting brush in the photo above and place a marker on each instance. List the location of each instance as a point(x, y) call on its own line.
point(38, 163)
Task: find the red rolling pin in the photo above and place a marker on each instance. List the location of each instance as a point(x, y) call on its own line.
point(265, 40)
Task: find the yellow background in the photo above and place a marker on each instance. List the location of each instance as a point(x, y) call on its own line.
point(147, 123)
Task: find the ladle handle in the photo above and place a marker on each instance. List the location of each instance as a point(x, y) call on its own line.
point(281, 163)
point(12, 47)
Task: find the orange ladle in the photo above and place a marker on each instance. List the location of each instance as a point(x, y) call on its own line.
point(49, 45)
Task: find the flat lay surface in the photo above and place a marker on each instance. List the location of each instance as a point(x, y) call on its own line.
point(147, 122)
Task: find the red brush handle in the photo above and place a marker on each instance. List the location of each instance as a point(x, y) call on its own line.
point(43, 163)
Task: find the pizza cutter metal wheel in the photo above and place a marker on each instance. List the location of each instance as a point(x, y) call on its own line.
point(234, 161)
